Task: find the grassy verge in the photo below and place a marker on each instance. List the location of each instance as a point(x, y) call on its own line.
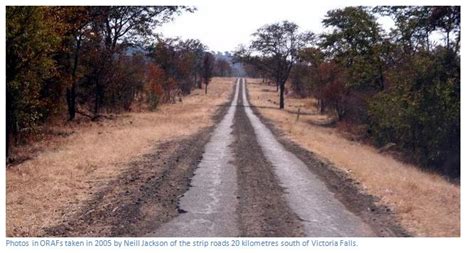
point(425, 203)
point(70, 169)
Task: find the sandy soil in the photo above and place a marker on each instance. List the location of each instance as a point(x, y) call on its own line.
point(49, 189)
point(425, 204)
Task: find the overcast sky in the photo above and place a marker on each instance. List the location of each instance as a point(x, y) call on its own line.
point(223, 25)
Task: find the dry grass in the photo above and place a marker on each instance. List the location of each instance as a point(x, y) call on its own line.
point(425, 203)
point(68, 173)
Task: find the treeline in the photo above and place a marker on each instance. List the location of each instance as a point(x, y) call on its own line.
point(94, 60)
point(400, 87)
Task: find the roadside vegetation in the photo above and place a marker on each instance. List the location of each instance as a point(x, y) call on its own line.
point(68, 172)
point(75, 64)
point(423, 202)
point(400, 89)
point(91, 92)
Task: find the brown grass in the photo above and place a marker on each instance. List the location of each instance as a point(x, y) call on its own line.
point(425, 203)
point(67, 173)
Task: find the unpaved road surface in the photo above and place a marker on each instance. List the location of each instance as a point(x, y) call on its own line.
point(238, 178)
point(248, 184)
point(320, 212)
point(209, 205)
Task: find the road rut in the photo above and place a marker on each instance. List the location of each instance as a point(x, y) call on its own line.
point(321, 213)
point(248, 184)
point(208, 207)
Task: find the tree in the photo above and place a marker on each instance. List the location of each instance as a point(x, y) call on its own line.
point(399, 87)
point(77, 53)
point(207, 66)
point(158, 86)
point(77, 21)
point(304, 74)
point(196, 50)
point(255, 66)
point(180, 60)
point(355, 43)
point(222, 67)
point(31, 41)
point(116, 28)
point(420, 109)
point(278, 44)
point(448, 19)
point(412, 26)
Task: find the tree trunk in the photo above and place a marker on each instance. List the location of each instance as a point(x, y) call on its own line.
point(71, 93)
point(282, 95)
point(196, 83)
point(381, 78)
point(9, 123)
point(205, 92)
point(97, 97)
point(447, 39)
point(71, 101)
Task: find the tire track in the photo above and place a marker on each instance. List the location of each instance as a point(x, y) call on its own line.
point(263, 210)
point(321, 213)
point(208, 208)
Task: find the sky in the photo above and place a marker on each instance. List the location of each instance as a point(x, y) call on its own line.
point(223, 25)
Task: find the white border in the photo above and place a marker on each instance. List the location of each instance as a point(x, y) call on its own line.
point(462, 244)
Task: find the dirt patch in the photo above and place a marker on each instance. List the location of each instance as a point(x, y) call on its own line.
point(346, 190)
point(143, 197)
point(263, 210)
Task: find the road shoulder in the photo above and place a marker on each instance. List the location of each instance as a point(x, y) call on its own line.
point(346, 190)
point(145, 195)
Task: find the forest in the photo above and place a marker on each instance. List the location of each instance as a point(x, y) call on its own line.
point(125, 121)
point(65, 61)
point(399, 89)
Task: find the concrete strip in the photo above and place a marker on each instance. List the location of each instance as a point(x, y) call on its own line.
point(210, 204)
point(321, 213)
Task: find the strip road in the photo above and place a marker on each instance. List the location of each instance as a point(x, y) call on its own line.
point(209, 205)
point(248, 184)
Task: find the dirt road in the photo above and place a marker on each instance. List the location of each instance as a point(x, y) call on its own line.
point(249, 184)
point(237, 178)
point(208, 207)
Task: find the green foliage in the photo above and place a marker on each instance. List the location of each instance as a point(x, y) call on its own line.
point(355, 42)
point(182, 61)
point(274, 50)
point(92, 56)
point(421, 113)
point(304, 76)
point(399, 84)
point(30, 45)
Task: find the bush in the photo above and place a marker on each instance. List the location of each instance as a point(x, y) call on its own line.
point(30, 45)
point(421, 112)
